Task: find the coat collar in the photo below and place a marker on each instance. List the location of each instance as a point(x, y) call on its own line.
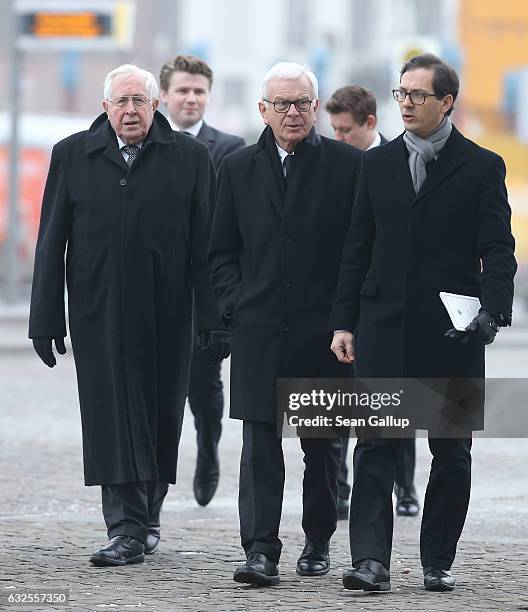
point(269, 166)
point(101, 136)
point(451, 157)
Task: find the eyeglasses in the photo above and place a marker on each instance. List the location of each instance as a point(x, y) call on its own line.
point(416, 97)
point(283, 106)
point(137, 101)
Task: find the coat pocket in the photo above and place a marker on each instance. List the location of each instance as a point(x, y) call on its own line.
point(369, 287)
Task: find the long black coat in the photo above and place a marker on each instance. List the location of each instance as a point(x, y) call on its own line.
point(404, 248)
point(274, 260)
point(136, 247)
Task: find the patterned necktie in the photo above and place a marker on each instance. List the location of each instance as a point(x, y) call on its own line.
point(286, 166)
point(132, 151)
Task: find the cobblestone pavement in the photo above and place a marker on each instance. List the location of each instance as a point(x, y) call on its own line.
point(50, 523)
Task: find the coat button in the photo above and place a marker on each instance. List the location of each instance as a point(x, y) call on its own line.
point(286, 283)
point(284, 328)
point(122, 182)
point(286, 239)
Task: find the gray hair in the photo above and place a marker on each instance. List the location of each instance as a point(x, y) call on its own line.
point(288, 70)
point(150, 81)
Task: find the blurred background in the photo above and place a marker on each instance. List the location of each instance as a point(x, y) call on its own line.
point(55, 54)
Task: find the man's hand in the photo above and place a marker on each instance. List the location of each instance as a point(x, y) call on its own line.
point(482, 330)
point(217, 343)
point(42, 346)
point(343, 346)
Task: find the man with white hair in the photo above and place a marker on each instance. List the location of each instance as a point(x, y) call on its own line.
point(130, 201)
point(282, 214)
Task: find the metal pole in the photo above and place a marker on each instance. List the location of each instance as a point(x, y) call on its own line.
point(12, 242)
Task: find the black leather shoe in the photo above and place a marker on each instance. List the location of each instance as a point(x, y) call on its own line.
point(438, 579)
point(152, 541)
point(205, 483)
point(121, 550)
point(407, 503)
point(367, 575)
point(343, 508)
point(258, 570)
point(314, 559)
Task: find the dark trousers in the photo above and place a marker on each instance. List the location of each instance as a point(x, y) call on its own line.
point(206, 400)
point(445, 506)
point(131, 508)
point(403, 476)
point(262, 486)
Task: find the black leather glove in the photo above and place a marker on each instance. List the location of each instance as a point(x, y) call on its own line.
point(217, 343)
point(482, 330)
point(42, 346)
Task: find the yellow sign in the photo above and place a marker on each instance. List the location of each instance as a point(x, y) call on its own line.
point(86, 25)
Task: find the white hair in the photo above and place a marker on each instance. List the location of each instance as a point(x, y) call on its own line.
point(150, 80)
point(288, 70)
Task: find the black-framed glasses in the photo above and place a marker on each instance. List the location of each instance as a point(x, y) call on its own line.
point(283, 106)
point(416, 97)
point(137, 101)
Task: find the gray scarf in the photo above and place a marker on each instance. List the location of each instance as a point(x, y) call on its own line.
point(424, 150)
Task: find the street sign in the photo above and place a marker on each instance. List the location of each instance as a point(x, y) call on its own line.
point(57, 25)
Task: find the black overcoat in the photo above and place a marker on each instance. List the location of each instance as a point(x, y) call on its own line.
point(136, 246)
point(274, 258)
point(404, 248)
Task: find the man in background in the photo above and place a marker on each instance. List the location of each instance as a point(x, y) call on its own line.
point(352, 111)
point(185, 84)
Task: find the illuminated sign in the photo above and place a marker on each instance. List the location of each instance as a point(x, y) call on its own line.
point(102, 24)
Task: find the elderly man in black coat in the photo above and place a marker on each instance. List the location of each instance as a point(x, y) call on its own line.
point(131, 203)
point(282, 212)
point(431, 215)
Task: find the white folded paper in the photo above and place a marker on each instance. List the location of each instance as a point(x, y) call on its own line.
point(461, 308)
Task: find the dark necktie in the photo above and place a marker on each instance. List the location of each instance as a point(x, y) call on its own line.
point(188, 133)
point(132, 151)
point(286, 166)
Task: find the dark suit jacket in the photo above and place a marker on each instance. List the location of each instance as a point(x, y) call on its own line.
point(219, 143)
point(274, 259)
point(404, 248)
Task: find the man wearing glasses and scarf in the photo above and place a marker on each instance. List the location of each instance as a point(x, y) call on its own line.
point(431, 215)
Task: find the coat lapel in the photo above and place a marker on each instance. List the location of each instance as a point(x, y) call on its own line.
point(269, 176)
point(305, 169)
point(451, 157)
point(206, 135)
point(396, 155)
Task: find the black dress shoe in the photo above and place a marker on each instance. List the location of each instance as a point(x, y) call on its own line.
point(343, 508)
point(314, 560)
point(121, 550)
point(152, 541)
point(205, 483)
point(257, 570)
point(438, 579)
point(367, 575)
point(407, 503)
